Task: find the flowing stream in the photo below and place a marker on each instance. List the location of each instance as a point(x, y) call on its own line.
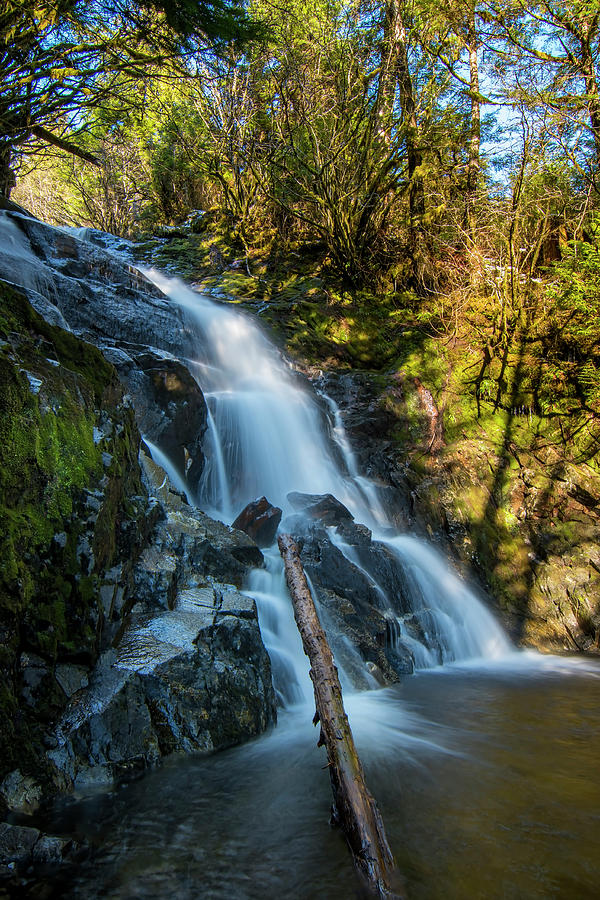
point(270, 435)
point(483, 762)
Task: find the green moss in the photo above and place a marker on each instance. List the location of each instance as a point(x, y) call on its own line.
point(47, 455)
point(18, 316)
point(54, 390)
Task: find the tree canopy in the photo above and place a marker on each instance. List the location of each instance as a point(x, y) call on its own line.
point(64, 58)
point(448, 154)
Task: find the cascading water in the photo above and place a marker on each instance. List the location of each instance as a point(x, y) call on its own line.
point(162, 460)
point(486, 775)
point(270, 436)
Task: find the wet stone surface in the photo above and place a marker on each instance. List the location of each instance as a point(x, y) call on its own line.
point(189, 672)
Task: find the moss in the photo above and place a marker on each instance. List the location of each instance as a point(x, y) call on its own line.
point(54, 392)
point(18, 316)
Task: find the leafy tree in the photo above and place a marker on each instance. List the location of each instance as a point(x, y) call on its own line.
point(572, 321)
point(552, 59)
point(61, 59)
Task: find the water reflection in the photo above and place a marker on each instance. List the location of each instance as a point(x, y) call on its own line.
point(488, 783)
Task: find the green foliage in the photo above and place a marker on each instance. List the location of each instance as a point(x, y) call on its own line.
point(575, 291)
point(63, 62)
point(221, 21)
point(574, 319)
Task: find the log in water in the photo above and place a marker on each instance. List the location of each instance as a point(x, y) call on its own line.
point(354, 809)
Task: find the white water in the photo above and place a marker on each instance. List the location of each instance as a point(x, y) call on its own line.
point(268, 435)
point(445, 607)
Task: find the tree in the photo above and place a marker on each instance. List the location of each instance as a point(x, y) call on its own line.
point(336, 153)
point(555, 59)
point(62, 58)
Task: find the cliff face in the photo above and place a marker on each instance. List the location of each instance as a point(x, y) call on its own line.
point(123, 636)
point(73, 518)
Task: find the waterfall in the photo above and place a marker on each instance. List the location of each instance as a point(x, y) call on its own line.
point(161, 459)
point(269, 434)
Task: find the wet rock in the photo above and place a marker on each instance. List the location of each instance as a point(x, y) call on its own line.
point(354, 609)
point(323, 507)
point(376, 673)
point(103, 300)
point(328, 566)
point(193, 679)
point(354, 533)
point(235, 604)
point(169, 407)
point(188, 537)
point(71, 678)
point(192, 541)
point(17, 843)
point(50, 850)
point(106, 733)
point(34, 671)
point(189, 672)
point(133, 637)
point(219, 550)
point(21, 793)
point(260, 520)
point(22, 847)
point(359, 641)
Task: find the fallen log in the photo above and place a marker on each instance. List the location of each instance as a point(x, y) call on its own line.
point(354, 809)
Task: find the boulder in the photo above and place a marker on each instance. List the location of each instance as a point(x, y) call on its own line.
point(99, 296)
point(357, 614)
point(22, 846)
point(193, 679)
point(260, 520)
point(186, 541)
point(17, 843)
point(189, 672)
point(21, 793)
point(323, 507)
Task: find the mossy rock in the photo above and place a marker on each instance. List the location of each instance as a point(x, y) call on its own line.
point(68, 468)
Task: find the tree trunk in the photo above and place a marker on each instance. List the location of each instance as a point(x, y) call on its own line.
point(386, 89)
point(593, 98)
point(354, 809)
point(474, 163)
point(473, 167)
point(411, 128)
point(7, 176)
